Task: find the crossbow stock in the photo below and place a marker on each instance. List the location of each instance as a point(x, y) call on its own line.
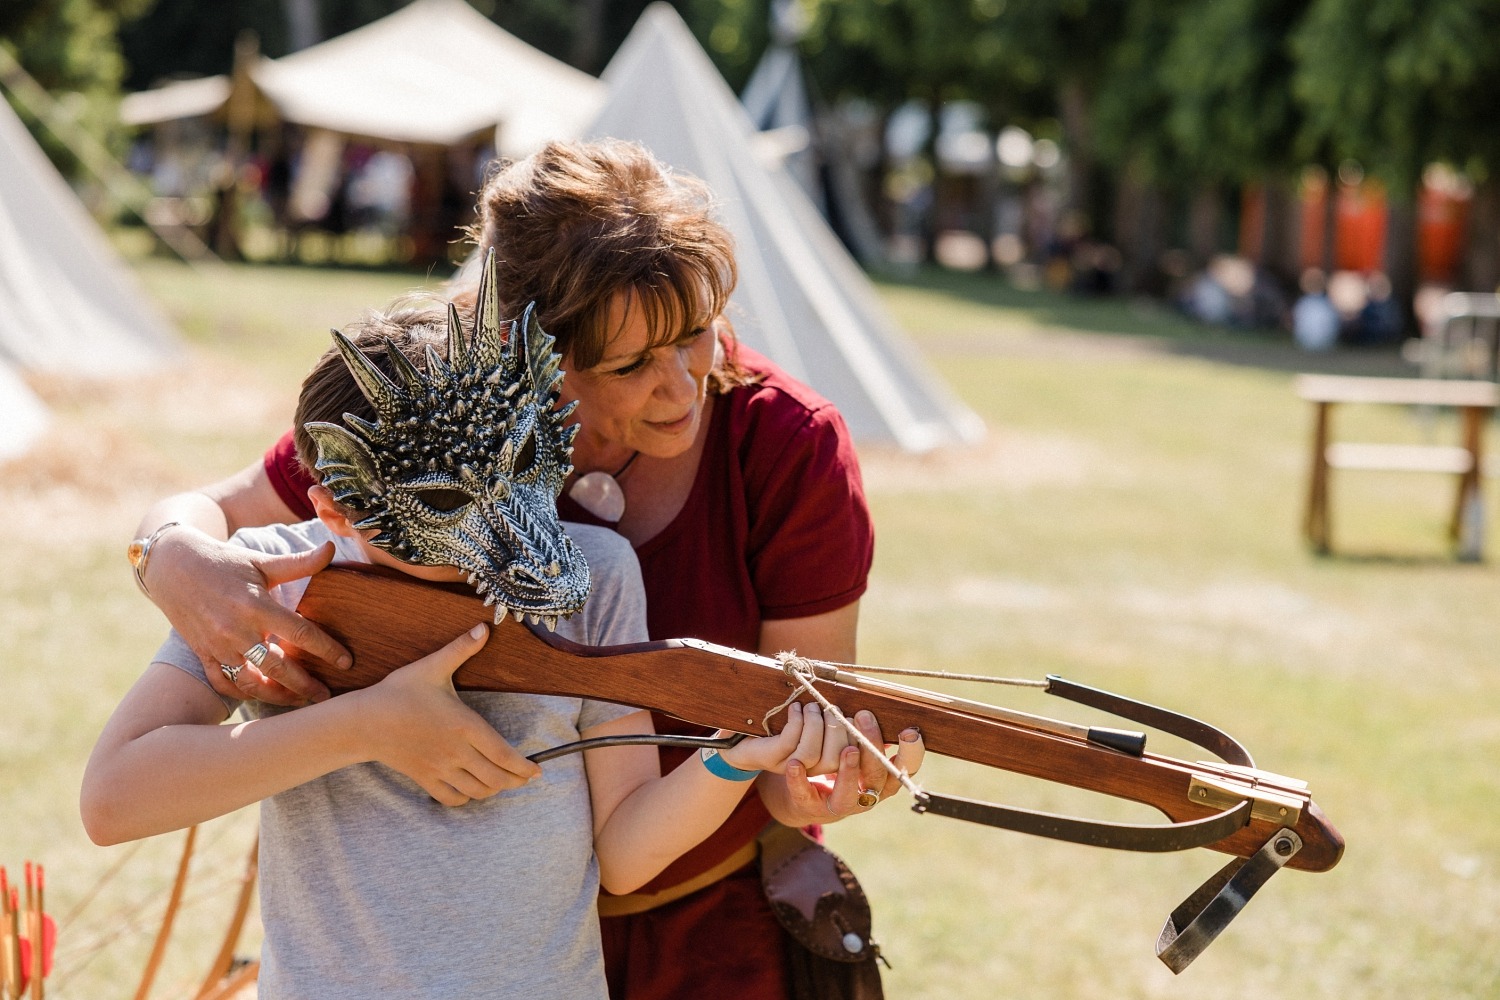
point(1266, 821)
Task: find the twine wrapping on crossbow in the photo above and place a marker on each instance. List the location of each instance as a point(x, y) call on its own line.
point(803, 674)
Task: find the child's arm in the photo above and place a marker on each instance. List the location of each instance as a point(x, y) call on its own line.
point(643, 821)
point(163, 761)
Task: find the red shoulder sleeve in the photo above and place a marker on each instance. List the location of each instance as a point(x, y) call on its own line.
point(289, 478)
point(811, 540)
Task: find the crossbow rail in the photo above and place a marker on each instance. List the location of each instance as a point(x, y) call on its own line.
point(387, 619)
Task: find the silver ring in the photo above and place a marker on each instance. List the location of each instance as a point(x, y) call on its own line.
point(256, 654)
point(868, 799)
point(231, 672)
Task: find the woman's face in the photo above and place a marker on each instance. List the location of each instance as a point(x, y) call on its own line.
point(640, 398)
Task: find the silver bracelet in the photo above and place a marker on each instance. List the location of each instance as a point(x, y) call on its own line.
point(139, 554)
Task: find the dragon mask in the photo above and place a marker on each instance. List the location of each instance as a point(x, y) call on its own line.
point(464, 461)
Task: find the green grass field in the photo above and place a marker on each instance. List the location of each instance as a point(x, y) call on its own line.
point(1131, 522)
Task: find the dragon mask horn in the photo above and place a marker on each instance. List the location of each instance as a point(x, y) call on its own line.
point(464, 461)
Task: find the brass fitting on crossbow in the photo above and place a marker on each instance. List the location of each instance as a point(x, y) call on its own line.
point(1274, 798)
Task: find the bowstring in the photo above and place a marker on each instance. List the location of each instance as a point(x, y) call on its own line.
point(129, 918)
point(100, 883)
point(938, 674)
point(132, 921)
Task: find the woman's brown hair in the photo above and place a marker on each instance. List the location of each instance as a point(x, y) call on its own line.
point(578, 223)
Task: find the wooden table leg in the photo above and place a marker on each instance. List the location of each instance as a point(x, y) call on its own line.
point(1467, 526)
point(1315, 521)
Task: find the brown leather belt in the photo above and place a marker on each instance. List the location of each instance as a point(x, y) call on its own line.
point(640, 902)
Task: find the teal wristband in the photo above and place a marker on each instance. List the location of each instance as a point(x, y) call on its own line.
point(721, 768)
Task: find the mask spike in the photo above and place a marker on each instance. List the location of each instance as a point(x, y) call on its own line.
point(488, 329)
point(411, 378)
point(379, 390)
point(436, 366)
point(460, 346)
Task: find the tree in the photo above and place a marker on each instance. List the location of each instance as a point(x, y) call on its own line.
point(1465, 136)
point(70, 48)
point(1378, 80)
point(1064, 47)
point(1148, 165)
point(1233, 116)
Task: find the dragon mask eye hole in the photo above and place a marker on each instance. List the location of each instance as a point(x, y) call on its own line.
point(526, 456)
point(443, 500)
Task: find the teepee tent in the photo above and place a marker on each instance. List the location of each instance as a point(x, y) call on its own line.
point(801, 299)
point(811, 138)
point(67, 303)
point(22, 415)
point(435, 72)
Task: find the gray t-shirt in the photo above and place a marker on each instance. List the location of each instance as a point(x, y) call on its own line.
point(371, 888)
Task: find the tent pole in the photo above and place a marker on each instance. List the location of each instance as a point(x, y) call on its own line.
point(121, 184)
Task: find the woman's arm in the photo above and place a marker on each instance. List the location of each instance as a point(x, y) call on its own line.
point(644, 821)
point(829, 636)
point(217, 595)
point(164, 762)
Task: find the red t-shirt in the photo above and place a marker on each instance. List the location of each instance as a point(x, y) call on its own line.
point(775, 526)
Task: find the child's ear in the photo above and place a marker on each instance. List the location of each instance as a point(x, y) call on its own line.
point(330, 512)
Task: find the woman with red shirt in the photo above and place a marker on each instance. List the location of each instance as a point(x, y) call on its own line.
point(737, 486)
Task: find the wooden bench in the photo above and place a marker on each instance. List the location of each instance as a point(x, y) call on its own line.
point(1475, 401)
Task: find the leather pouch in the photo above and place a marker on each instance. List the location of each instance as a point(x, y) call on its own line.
point(815, 896)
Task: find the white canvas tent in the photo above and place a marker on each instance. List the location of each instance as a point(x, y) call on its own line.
point(775, 98)
point(67, 303)
point(436, 72)
point(23, 417)
point(801, 299)
point(812, 144)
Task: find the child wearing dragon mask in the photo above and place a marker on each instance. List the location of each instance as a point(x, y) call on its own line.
point(439, 455)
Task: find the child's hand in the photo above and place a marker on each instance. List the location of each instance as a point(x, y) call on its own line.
point(413, 722)
point(802, 734)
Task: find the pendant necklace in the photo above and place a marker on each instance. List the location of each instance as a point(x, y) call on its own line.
point(600, 494)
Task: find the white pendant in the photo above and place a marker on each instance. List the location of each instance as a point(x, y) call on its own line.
point(600, 495)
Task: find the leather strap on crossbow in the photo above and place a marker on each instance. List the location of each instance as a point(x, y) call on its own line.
point(1195, 731)
point(1154, 838)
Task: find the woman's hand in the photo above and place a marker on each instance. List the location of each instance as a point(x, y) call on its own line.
point(795, 800)
point(413, 721)
point(217, 596)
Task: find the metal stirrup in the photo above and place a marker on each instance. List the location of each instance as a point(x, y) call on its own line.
point(1198, 919)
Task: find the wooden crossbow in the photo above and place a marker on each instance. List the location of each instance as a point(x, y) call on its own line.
point(1265, 820)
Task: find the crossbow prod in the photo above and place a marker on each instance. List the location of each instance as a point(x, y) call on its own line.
point(1266, 821)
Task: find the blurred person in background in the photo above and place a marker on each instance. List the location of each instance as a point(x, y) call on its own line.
point(1315, 321)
